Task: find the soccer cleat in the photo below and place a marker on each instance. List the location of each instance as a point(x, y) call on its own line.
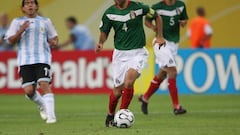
point(43, 112)
point(179, 111)
point(51, 120)
point(144, 106)
point(109, 121)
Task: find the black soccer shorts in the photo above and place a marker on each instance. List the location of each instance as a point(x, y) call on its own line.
point(32, 74)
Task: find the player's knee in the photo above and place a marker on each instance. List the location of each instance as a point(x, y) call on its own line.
point(172, 72)
point(162, 75)
point(165, 75)
point(44, 86)
point(117, 93)
point(129, 84)
point(29, 90)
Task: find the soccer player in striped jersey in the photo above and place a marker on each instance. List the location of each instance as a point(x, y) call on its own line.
point(34, 35)
point(174, 15)
point(130, 55)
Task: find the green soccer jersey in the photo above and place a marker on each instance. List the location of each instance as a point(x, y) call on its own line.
point(127, 24)
point(170, 17)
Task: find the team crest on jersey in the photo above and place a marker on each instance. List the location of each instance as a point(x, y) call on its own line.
point(132, 14)
point(178, 11)
point(41, 29)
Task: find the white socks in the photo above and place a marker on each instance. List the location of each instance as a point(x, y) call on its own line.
point(37, 98)
point(49, 103)
point(46, 101)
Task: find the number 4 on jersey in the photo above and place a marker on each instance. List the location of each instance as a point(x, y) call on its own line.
point(125, 28)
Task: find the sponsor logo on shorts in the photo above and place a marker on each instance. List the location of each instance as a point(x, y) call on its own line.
point(141, 63)
point(117, 81)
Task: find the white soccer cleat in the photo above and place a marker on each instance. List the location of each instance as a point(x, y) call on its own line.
point(51, 120)
point(43, 112)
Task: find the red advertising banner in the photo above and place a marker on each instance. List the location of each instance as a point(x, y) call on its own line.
point(74, 72)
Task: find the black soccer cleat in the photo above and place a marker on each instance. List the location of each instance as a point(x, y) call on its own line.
point(179, 111)
point(109, 121)
point(144, 106)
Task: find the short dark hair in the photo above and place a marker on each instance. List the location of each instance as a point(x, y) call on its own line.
point(72, 20)
point(23, 2)
point(200, 11)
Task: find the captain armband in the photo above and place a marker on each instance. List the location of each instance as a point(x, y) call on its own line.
point(151, 14)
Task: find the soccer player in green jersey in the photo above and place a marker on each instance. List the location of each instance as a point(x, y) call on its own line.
point(174, 15)
point(130, 55)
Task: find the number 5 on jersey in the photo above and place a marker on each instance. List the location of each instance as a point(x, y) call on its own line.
point(172, 22)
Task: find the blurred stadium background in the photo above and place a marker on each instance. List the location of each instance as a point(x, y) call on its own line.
point(223, 15)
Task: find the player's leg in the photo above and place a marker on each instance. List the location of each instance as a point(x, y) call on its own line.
point(157, 80)
point(113, 101)
point(172, 86)
point(48, 98)
point(29, 86)
point(118, 80)
point(128, 89)
point(154, 85)
point(35, 96)
point(44, 75)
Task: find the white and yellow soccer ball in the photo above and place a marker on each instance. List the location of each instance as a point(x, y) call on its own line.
point(124, 118)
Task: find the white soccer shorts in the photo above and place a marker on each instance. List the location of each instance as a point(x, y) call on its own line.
point(165, 56)
point(128, 59)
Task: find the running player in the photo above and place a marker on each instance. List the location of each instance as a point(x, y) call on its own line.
point(34, 35)
point(174, 15)
point(130, 55)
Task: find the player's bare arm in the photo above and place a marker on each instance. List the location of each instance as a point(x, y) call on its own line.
point(53, 41)
point(182, 23)
point(102, 39)
point(156, 28)
point(13, 39)
point(160, 40)
point(67, 42)
point(150, 25)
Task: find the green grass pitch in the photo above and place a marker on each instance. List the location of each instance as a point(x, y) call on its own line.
point(85, 115)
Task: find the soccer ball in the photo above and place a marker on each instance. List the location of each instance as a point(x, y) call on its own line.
point(124, 118)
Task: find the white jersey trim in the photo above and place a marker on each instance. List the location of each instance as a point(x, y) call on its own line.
point(124, 18)
point(170, 13)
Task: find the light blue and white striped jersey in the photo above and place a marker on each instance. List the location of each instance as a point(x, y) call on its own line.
point(33, 45)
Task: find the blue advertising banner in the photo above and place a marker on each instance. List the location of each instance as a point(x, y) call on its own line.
point(208, 71)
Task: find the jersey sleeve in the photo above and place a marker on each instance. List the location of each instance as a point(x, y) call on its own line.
point(184, 15)
point(51, 31)
point(149, 12)
point(207, 29)
point(105, 24)
point(12, 30)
